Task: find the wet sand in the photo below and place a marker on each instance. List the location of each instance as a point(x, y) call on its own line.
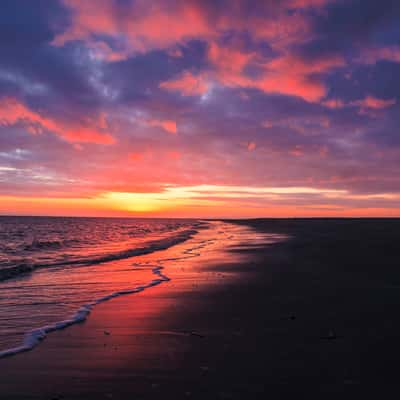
point(316, 315)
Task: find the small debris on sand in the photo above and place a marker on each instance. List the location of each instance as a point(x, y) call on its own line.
point(193, 333)
point(196, 334)
point(331, 335)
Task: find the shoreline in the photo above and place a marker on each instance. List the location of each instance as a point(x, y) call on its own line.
point(34, 337)
point(241, 323)
point(53, 355)
point(152, 246)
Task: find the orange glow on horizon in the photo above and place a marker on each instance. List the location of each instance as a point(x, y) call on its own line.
point(204, 201)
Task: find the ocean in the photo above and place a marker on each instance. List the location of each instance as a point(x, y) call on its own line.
point(54, 271)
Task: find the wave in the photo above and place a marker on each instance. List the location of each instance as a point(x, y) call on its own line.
point(157, 245)
point(48, 244)
point(34, 337)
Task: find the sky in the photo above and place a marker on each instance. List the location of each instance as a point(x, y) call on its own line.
point(210, 108)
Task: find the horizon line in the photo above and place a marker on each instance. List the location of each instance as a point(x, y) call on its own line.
point(196, 218)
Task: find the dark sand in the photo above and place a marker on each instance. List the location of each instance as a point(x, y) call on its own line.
point(316, 316)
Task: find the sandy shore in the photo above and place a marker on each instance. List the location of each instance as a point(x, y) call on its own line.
point(314, 315)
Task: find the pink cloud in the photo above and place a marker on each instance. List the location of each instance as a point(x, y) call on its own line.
point(334, 103)
point(375, 103)
point(251, 146)
point(136, 156)
point(177, 53)
point(228, 59)
point(90, 131)
point(145, 26)
point(293, 75)
point(323, 151)
point(308, 3)
point(368, 103)
point(297, 151)
point(168, 125)
point(187, 84)
point(373, 55)
point(175, 155)
point(285, 74)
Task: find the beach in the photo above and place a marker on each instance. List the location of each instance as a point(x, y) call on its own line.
point(310, 311)
point(199, 199)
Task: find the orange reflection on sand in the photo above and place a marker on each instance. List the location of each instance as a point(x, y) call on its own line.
point(192, 268)
point(118, 330)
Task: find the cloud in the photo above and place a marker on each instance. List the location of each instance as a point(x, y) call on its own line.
point(334, 103)
point(285, 74)
point(13, 112)
point(145, 27)
point(372, 55)
point(168, 125)
point(369, 102)
point(251, 146)
point(375, 103)
point(187, 84)
point(292, 75)
point(245, 84)
point(308, 3)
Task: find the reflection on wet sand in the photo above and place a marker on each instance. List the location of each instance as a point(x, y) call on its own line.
point(136, 332)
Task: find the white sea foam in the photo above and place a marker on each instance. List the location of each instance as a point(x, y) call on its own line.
point(70, 284)
point(34, 337)
point(151, 247)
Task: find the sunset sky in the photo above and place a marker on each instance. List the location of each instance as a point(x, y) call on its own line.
point(200, 108)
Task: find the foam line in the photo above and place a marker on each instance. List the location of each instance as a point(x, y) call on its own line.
point(34, 337)
point(163, 244)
